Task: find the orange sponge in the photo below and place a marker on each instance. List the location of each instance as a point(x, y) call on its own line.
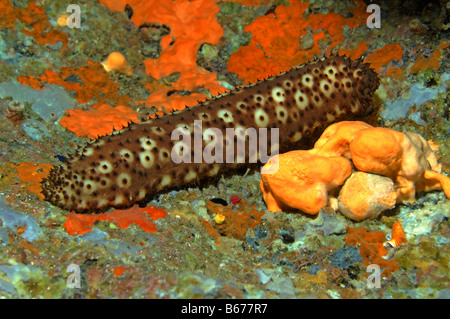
point(191, 24)
point(86, 124)
point(393, 167)
point(406, 158)
point(302, 180)
point(434, 181)
point(336, 139)
point(378, 150)
point(274, 46)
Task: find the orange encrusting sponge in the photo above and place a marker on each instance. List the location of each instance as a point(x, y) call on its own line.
point(35, 20)
point(274, 46)
point(191, 23)
point(79, 224)
point(87, 124)
point(94, 83)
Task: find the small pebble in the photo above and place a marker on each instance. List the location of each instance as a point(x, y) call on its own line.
point(366, 195)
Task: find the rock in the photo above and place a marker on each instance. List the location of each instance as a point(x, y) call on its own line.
point(366, 195)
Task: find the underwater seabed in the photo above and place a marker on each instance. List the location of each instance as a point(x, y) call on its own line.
point(69, 75)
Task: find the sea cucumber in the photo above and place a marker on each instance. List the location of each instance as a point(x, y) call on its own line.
point(134, 163)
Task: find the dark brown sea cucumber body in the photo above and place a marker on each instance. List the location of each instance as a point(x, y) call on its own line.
point(125, 167)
